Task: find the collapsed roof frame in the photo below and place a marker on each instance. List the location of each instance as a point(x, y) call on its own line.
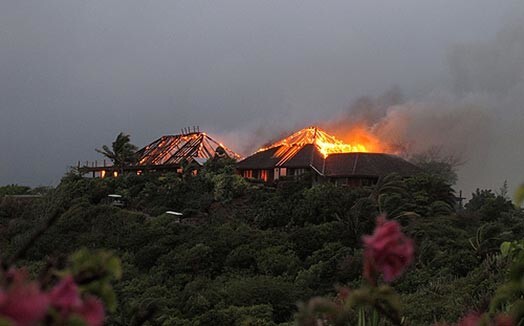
point(173, 149)
point(167, 153)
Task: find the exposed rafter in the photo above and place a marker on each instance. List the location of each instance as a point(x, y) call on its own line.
point(324, 142)
point(173, 149)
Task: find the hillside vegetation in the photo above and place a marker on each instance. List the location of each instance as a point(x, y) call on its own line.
point(247, 254)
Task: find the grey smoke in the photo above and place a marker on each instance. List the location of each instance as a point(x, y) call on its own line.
point(477, 116)
point(75, 73)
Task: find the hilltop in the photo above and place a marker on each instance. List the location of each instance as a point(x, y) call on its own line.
point(243, 253)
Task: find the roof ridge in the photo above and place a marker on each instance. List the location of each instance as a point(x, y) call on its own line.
point(170, 149)
point(355, 164)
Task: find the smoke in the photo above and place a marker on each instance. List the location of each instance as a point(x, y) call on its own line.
point(247, 140)
point(244, 142)
point(492, 73)
point(409, 127)
point(473, 112)
point(476, 116)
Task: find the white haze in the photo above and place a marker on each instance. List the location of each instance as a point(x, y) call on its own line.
point(75, 73)
point(475, 114)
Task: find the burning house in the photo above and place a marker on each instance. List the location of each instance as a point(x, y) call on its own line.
point(327, 158)
point(189, 149)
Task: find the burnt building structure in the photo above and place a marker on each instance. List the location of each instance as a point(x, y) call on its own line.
point(325, 157)
point(189, 149)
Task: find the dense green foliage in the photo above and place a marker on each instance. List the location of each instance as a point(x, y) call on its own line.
point(246, 254)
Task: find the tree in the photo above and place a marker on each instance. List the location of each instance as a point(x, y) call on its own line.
point(14, 189)
point(488, 205)
point(434, 162)
point(122, 152)
point(220, 162)
point(385, 187)
point(430, 195)
point(519, 195)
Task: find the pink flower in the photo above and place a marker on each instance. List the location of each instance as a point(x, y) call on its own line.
point(92, 311)
point(503, 320)
point(387, 251)
point(65, 296)
point(342, 296)
point(23, 303)
point(3, 298)
point(475, 319)
point(471, 319)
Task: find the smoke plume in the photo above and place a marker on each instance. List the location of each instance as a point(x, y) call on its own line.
point(477, 116)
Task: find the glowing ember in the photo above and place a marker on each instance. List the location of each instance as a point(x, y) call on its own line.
point(176, 148)
point(325, 143)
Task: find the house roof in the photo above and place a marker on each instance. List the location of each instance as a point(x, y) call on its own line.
point(298, 150)
point(302, 150)
point(260, 160)
point(283, 156)
point(334, 165)
point(367, 164)
point(173, 149)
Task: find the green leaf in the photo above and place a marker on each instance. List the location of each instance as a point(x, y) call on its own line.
point(5, 322)
point(505, 248)
point(113, 265)
point(519, 195)
point(517, 311)
point(76, 320)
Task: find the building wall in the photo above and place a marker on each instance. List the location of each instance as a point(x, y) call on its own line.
point(271, 175)
point(266, 175)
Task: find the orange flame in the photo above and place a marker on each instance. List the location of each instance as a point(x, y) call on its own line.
point(365, 141)
point(358, 140)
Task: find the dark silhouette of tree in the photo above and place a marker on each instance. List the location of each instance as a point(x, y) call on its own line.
point(122, 153)
point(435, 162)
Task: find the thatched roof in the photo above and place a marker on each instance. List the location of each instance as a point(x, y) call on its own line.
point(367, 164)
point(173, 149)
point(281, 156)
point(302, 150)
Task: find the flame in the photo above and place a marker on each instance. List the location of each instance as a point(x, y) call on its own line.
point(363, 139)
point(356, 140)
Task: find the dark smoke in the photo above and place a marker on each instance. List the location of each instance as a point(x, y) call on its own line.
point(477, 117)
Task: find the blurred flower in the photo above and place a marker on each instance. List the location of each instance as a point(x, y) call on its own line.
point(504, 320)
point(475, 319)
point(65, 296)
point(471, 319)
point(23, 303)
point(92, 311)
point(343, 295)
point(387, 251)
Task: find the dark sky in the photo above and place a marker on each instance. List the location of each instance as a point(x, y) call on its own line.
point(75, 73)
